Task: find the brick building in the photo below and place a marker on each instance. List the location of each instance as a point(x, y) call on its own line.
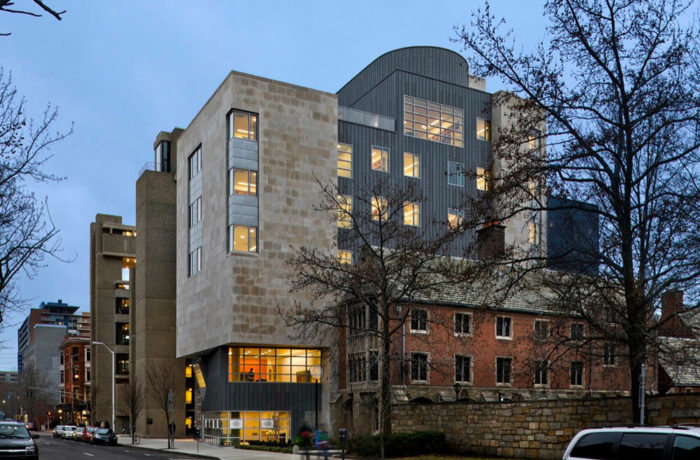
point(75, 378)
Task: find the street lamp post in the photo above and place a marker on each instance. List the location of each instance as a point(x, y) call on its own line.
point(113, 380)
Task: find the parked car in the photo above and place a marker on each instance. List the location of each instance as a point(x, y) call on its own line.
point(57, 430)
point(67, 432)
point(16, 442)
point(679, 442)
point(104, 436)
point(78, 433)
point(29, 425)
point(88, 433)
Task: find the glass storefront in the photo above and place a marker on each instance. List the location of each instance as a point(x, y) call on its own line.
point(252, 364)
point(229, 428)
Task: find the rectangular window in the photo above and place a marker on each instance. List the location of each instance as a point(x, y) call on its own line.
point(576, 373)
point(433, 122)
point(531, 232)
point(483, 179)
point(122, 335)
point(419, 320)
point(411, 165)
point(541, 331)
point(503, 369)
point(462, 323)
point(122, 363)
point(243, 182)
point(380, 159)
point(356, 321)
point(577, 331)
point(455, 218)
point(380, 208)
point(533, 140)
point(243, 125)
point(87, 355)
point(419, 367)
point(243, 238)
point(345, 160)
point(344, 211)
point(609, 354)
point(455, 173)
point(541, 367)
point(254, 364)
point(344, 257)
point(196, 212)
point(483, 129)
point(195, 261)
point(62, 376)
point(463, 369)
point(411, 214)
point(60, 357)
point(195, 163)
point(373, 366)
point(122, 305)
point(503, 327)
point(357, 365)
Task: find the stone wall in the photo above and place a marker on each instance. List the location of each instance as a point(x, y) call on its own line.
point(534, 429)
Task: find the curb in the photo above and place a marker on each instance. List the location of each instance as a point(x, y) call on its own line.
point(177, 452)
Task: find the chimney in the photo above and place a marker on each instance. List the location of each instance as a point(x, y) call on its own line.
point(491, 240)
point(671, 307)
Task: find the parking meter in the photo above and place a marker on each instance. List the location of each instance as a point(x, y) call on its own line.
point(197, 434)
point(343, 437)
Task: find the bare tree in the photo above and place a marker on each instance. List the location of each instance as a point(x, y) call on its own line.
point(132, 398)
point(35, 394)
point(614, 90)
point(369, 299)
point(162, 379)
point(8, 6)
point(27, 234)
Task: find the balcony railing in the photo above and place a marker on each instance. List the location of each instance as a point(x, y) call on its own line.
point(366, 118)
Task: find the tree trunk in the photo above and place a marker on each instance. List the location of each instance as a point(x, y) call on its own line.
point(385, 384)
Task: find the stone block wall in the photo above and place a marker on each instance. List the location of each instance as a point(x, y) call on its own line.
point(534, 429)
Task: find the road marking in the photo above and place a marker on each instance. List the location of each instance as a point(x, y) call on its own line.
point(89, 454)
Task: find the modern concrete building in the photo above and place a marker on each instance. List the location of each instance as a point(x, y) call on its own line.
point(112, 255)
point(41, 358)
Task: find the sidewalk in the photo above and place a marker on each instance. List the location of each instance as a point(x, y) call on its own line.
point(189, 447)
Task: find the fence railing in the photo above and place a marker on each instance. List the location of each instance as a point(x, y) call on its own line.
point(366, 118)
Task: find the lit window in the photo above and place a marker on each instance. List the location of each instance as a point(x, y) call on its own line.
point(254, 364)
point(483, 129)
point(411, 214)
point(345, 160)
point(188, 371)
point(541, 367)
point(455, 173)
point(533, 140)
point(411, 165)
point(503, 327)
point(419, 320)
point(576, 373)
point(380, 159)
point(463, 369)
point(462, 323)
point(344, 211)
point(432, 121)
point(380, 208)
point(243, 238)
point(243, 182)
point(188, 396)
point(531, 232)
point(344, 257)
point(243, 125)
point(419, 367)
point(532, 186)
point(503, 369)
point(455, 218)
point(483, 177)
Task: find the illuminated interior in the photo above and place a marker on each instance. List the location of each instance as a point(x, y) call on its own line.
point(345, 257)
point(411, 165)
point(226, 428)
point(295, 365)
point(380, 159)
point(243, 238)
point(345, 160)
point(379, 208)
point(433, 122)
point(344, 211)
point(411, 214)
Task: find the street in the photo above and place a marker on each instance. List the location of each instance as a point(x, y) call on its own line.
point(63, 449)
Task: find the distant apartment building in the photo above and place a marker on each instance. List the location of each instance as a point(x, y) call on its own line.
point(54, 313)
point(75, 377)
point(112, 255)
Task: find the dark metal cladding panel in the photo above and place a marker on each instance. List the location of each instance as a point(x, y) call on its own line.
point(222, 395)
point(432, 62)
point(386, 98)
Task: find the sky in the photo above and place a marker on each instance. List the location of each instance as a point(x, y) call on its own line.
point(122, 71)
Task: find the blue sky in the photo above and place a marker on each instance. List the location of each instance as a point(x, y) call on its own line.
point(124, 70)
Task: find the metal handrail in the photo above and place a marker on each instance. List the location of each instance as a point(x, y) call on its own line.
point(366, 118)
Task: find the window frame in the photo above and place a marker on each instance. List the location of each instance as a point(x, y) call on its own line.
point(419, 321)
point(577, 325)
point(416, 210)
point(385, 154)
point(418, 112)
point(469, 368)
point(483, 179)
point(609, 356)
point(349, 162)
point(252, 184)
point(487, 129)
point(573, 366)
point(509, 327)
point(425, 363)
point(541, 373)
point(537, 336)
point(344, 256)
point(231, 238)
point(461, 333)
point(460, 218)
point(459, 172)
point(255, 125)
point(415, 160)
point(344, 210)
point(509, 374)
point(194, 163)
point(379, 204)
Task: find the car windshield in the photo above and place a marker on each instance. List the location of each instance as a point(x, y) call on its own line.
point(13, 431)
point(102, 430)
